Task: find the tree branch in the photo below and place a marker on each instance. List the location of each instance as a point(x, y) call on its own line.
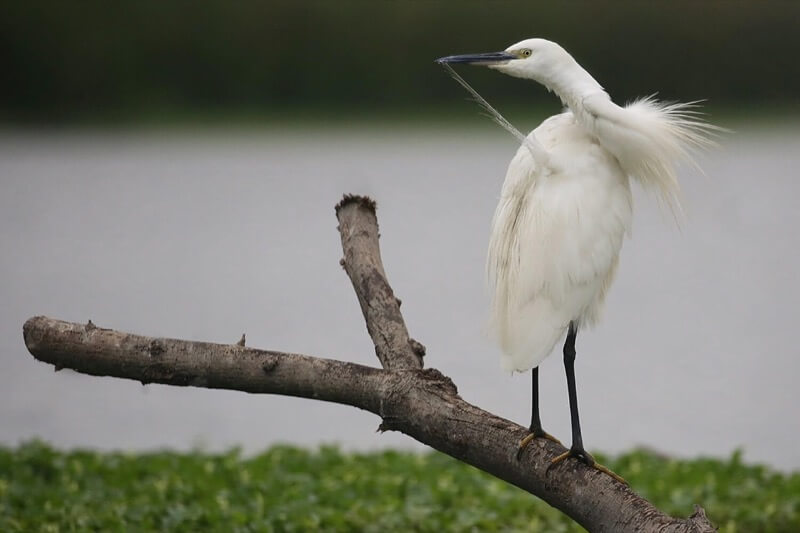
point(421, 403)
point(97, 351)
point(358, 227)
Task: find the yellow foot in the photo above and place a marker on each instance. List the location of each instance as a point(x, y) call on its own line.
point(584, 457)
point(535, 435)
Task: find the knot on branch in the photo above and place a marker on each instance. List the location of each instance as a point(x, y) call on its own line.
point(700, 522)
point(417, 347)
point(434, 377)
point(155, 348)
point(389, 423)
point(269, 364)
point(405, 384)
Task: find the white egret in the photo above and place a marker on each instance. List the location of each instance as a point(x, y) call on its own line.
point(565, 206)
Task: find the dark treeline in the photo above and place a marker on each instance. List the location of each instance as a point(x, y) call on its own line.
point(65, 61)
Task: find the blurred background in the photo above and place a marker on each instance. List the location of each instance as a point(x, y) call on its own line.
point(171, 169)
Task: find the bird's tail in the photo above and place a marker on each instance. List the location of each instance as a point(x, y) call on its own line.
point(649, 138)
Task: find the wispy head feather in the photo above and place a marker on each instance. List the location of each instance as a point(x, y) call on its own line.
point(539, 154)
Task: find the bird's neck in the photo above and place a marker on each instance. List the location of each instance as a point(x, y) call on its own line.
point(572, 85)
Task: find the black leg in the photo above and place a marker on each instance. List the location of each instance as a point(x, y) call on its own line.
point(536, 424)
point(577, 450)
point(569, 367)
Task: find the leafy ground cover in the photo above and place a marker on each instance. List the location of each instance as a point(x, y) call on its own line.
point(292, 489)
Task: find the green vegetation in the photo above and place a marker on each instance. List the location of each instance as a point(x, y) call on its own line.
point(290, 489)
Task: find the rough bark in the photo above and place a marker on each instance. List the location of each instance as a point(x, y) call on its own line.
point(358, 227)
point(89, 349)
point(421, 403)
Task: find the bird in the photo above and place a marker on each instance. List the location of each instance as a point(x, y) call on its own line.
point(565, 207)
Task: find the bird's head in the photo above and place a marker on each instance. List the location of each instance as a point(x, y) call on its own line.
point(537, 59)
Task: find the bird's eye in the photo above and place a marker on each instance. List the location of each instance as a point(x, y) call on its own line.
point(525, 52)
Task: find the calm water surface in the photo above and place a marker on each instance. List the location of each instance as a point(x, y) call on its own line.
point(208, 236)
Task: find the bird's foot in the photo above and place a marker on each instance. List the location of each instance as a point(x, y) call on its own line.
point(586, 458)
point(537, 433)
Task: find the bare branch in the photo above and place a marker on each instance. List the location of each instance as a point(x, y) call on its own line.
point(104, 352)
point(593, 499)
point(421, 403)
point(358, 227)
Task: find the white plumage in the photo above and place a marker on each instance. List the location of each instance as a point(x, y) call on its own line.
point(555, 241)
point(566, 204)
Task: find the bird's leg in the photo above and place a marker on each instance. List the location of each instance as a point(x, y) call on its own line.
point(577, 450)
point(536, 423)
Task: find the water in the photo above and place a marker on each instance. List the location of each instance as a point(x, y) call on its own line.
point(208, 236)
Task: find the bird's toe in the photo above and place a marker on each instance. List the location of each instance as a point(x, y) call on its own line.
point(535, 434)
point(586, 458)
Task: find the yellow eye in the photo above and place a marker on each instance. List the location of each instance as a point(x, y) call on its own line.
point(525, 52)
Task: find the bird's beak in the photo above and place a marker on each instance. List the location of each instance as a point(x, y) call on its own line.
point(487, 59)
